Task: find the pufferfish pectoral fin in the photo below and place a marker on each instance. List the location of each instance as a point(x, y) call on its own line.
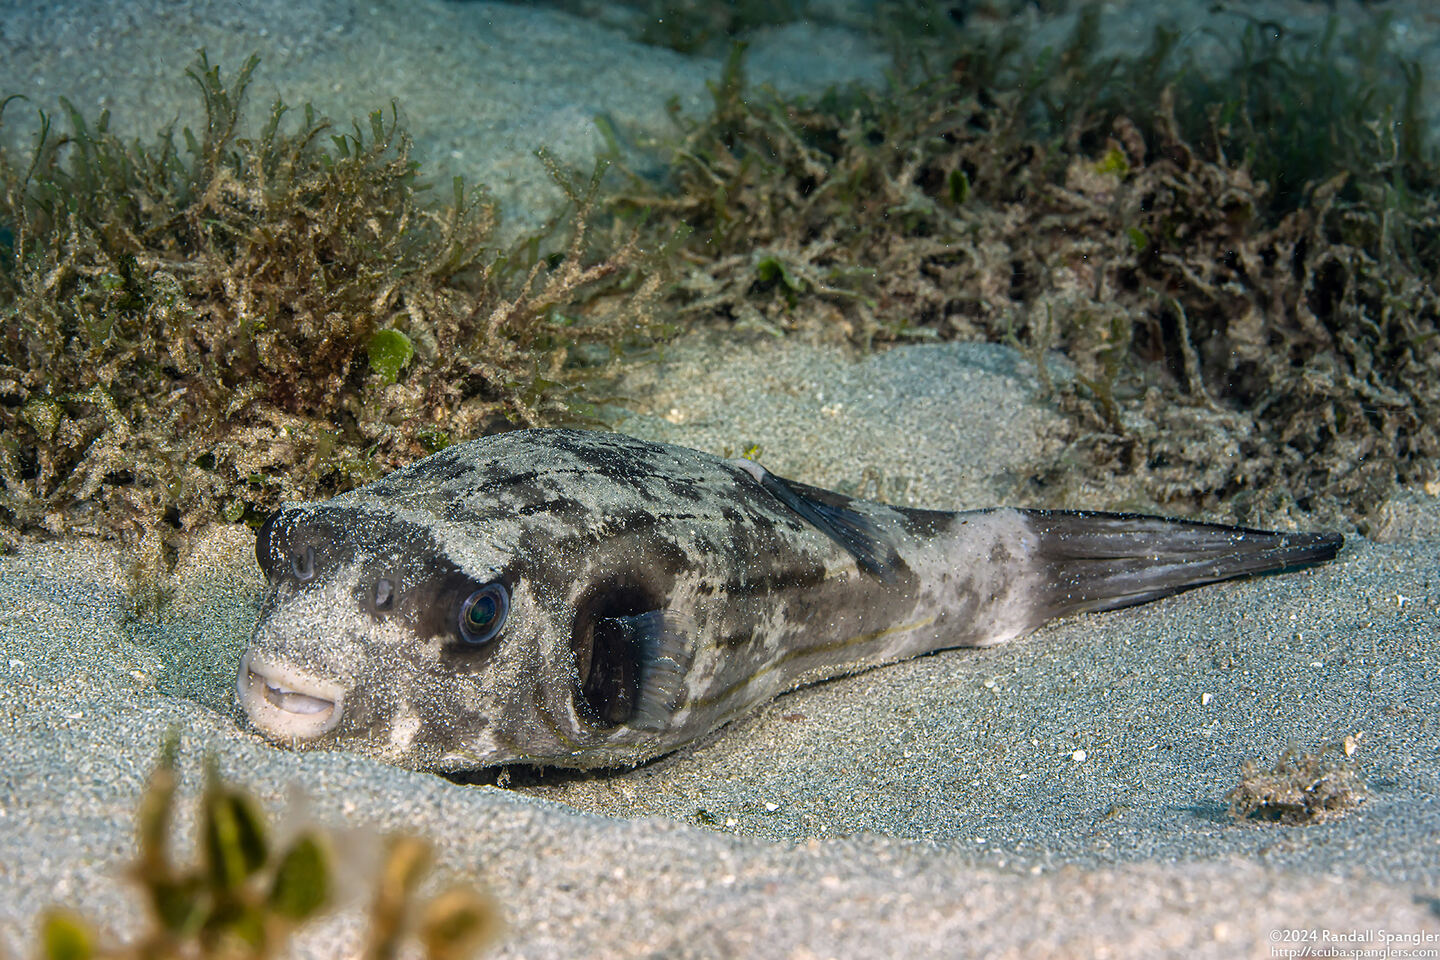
point(872, 547)
point(660, 645)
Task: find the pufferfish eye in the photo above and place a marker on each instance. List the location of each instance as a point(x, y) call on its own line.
point(483, 613)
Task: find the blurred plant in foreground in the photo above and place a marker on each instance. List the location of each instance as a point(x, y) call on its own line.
point(244, 897)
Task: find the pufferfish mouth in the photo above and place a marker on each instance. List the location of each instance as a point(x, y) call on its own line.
point(287, 703)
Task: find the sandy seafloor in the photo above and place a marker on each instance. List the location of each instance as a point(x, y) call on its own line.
point(932, 808)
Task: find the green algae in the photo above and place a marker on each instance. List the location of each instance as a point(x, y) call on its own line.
point(205, 325)
point(246, 898)
point(210, 323)
point(1245, 343)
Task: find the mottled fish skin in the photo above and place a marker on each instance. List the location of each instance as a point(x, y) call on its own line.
point(655, 593)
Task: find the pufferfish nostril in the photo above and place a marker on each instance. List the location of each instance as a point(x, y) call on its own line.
point(384, 594)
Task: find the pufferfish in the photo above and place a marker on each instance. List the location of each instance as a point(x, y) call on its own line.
point(584, 599)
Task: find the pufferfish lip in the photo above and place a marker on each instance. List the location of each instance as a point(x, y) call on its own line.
point(287, 703)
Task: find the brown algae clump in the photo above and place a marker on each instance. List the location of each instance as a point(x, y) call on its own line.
point(1244, 343)
point(1302, 787)
point(207, 325)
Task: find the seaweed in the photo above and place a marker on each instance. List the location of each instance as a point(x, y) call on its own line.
point(245, 898)
point(1288, 214)
point(1303, 787)
point(1245, 345)
point(204, 326)
point(841, 214)
point(200, 327)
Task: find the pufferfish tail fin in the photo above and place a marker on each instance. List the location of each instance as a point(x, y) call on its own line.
point(1103, 561)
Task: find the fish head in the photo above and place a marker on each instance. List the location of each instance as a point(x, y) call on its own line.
point(388, 632)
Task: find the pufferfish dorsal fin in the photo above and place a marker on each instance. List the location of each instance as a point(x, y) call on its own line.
point(661, 643)
point(872, 547)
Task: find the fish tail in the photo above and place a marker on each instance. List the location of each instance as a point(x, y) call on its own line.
point(1103, 561)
